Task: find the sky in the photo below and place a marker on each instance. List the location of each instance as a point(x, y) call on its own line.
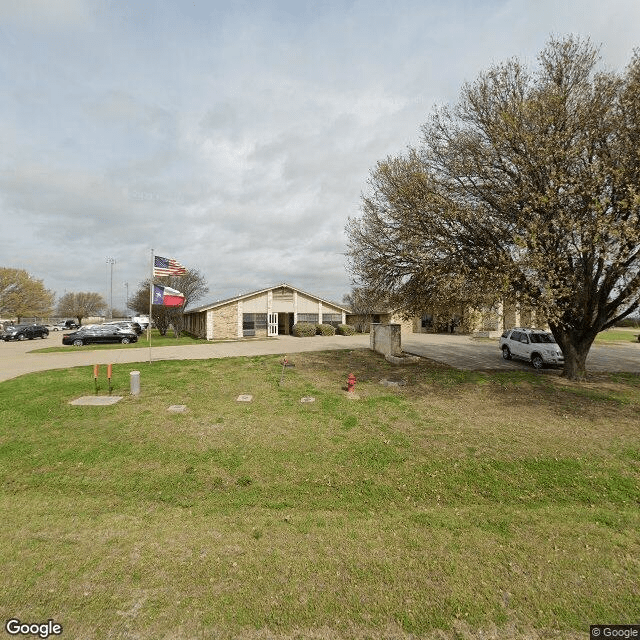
point(236, 137)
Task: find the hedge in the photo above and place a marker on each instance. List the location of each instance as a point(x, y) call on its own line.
point(304, 329)
point(325, 330)
point(346, 330)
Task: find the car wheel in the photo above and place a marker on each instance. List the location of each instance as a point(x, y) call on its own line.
point(506, 352)
point(125, 340)
point(537, 361)
point(78, 343)
point(22, 337)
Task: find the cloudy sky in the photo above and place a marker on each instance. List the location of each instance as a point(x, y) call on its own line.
point(236, 137)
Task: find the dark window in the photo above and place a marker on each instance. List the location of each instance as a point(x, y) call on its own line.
point(333, 319)
point(253, 321)
point(308, 317)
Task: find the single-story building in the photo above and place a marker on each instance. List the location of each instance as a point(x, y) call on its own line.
point(268, 312)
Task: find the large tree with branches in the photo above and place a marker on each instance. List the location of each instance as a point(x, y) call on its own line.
point(528, 187)
point(81, 305)
point(22, 295)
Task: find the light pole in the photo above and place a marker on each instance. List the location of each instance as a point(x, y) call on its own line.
point(126, 284)
point(111, 261)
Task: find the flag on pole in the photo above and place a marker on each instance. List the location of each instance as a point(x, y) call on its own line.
point(167, 267)
point(167, 297)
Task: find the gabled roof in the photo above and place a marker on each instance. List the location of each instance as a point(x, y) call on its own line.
point(250, 294)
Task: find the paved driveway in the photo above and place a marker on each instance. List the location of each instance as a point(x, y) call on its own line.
point(461, 352)
point(464, 352)
point(16, 359)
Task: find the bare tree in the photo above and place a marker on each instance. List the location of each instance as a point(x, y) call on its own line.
point(528, 187)
point(192, 284)
point(364, 304)
point(81, 305)
point(22, 295)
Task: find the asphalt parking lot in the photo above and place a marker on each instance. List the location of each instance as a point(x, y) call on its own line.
point(464, 352)
point(461, 352)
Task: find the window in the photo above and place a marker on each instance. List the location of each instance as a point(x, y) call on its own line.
point(253, 321)
point(333, 319)
point(308, 317)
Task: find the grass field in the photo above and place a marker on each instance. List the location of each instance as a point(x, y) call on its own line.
point(618, 335)
point(459, 505)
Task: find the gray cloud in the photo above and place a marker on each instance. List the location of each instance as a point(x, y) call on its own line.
point(235, 137)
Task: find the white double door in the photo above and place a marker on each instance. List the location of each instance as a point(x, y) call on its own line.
point(272, 324)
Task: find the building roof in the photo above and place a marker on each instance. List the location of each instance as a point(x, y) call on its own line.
point(250, 294)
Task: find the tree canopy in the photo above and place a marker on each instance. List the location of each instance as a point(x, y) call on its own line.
point(81, 305)
point(22, 295)
point(528, 187)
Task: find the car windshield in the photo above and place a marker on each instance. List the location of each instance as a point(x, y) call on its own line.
point(542, 338)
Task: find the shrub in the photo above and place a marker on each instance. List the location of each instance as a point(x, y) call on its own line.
point(346, 330)
point(326, 330)
point(304, 329)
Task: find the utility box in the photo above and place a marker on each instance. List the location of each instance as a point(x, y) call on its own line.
point(134, 377)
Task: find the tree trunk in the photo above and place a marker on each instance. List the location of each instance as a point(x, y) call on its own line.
point(575, 358)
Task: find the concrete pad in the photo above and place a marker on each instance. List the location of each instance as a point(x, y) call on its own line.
point(177, 408)
point(307, 399)
point(393, 383)
point(96, 401)
point(244, 398)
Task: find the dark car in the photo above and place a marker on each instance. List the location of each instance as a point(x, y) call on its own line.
point(99, 334)
point(25, 332)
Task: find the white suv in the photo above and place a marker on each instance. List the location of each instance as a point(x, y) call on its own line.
point(534, 345)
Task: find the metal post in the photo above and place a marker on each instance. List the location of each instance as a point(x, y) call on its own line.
point(111, 261)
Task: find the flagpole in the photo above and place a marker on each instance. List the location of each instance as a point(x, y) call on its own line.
point(150, 305)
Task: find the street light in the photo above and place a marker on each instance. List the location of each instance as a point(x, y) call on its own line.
point(111, 261)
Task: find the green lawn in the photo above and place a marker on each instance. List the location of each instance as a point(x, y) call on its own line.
point(456, 504)
point(618, 335)
point(156, 341)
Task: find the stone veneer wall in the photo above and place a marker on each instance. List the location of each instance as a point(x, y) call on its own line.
point(225, 322)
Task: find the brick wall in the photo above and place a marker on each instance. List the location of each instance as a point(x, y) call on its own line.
point(225, 322)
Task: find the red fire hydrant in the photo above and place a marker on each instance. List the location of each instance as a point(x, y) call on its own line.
point(351, 382)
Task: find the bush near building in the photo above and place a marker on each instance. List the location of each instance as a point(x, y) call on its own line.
point(346, 330)
point(304, 329)
point(325, 330)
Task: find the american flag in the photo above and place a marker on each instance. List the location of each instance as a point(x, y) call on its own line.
point(167, 267)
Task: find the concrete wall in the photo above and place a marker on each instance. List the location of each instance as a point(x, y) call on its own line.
point(386, 339)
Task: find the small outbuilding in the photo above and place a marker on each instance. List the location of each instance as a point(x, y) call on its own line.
point(268, 312)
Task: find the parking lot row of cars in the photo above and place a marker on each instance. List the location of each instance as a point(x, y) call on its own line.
point(109, 332)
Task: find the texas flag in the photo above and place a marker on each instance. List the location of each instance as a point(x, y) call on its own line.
point(167, 297)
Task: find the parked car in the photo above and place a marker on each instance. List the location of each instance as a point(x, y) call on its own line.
point(533, 345)
point(99, 334)
point(68, 324)
point(126, 324)
point(25, 332)
point(53, 327)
